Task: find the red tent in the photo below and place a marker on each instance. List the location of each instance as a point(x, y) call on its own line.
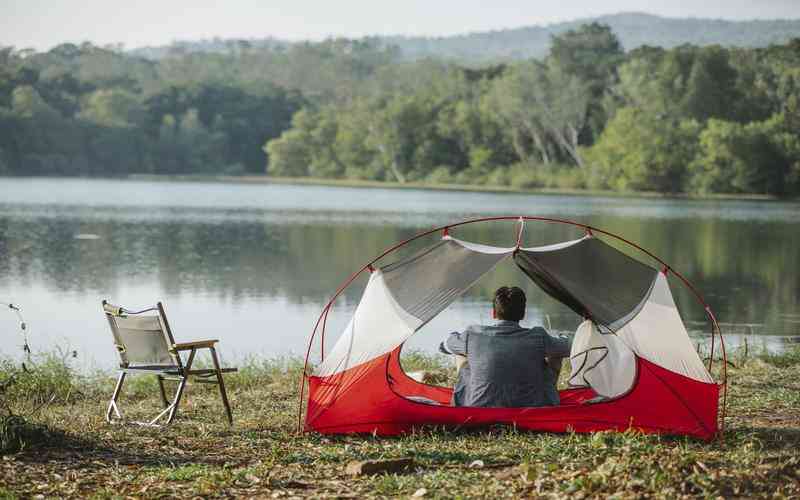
point(633, 365)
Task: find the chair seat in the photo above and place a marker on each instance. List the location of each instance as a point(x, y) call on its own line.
point(166, 369)
point(209, 372)
point(174, 370)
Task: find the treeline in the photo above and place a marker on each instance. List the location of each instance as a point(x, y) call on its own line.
point(689, 119)
point(588, 115)
point(87, 110)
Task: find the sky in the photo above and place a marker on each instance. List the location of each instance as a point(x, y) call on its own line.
point(42, 24)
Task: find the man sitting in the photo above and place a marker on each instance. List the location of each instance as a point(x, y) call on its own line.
point(507, 365)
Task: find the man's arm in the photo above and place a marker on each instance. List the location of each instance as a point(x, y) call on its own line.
point(456, 344)
point(556, 347)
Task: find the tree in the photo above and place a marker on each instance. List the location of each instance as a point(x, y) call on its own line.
point(590, 54)
point(711, 87)
point(642, 151)
point(391, 139)
point(26, 102)
point(759, 157)
point(685, 82)
point(288, 155)
point(112, 108)
point(308, 148)
point(546, 109)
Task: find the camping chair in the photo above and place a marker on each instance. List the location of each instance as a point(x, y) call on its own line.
point(145, 345)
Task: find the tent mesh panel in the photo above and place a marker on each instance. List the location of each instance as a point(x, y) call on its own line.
point(592, 278)
point(427, 282)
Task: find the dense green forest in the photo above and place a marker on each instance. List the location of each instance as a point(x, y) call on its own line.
point(687, 119)
point(698, 119)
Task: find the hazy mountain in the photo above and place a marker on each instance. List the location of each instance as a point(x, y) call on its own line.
point(633, 29)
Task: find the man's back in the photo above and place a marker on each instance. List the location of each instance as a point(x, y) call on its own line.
point(506, 366)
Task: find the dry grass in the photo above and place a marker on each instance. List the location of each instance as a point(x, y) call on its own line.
point(262, 456)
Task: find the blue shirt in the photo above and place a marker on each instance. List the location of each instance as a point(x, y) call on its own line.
point(506, 365)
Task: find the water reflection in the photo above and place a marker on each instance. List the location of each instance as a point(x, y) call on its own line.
point(253, 264)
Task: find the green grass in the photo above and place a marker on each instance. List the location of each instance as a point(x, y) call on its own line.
point(52, 379)
point(262, 456)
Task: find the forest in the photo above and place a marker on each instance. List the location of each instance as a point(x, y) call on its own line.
point(587, 115)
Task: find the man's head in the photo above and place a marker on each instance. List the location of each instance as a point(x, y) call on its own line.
point(509, 303)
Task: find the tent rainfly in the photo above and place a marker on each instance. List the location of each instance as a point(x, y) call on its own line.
point(633, 364)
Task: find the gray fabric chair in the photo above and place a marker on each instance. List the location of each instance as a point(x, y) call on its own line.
point(145, 345)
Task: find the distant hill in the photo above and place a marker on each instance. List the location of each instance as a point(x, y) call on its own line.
point(633, 29)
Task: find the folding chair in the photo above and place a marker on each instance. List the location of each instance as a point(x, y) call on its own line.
point(145, 345)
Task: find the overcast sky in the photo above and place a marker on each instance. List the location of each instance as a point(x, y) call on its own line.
point(42, 24)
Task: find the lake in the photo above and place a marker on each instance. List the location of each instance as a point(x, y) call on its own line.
point(253, 264)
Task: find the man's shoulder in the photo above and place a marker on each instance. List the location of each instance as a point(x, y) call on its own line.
point(475, 329)
point(502, 328)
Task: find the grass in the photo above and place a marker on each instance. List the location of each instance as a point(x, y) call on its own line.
point(262, 456)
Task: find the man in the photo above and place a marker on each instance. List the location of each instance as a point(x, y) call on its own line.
point(507, 365)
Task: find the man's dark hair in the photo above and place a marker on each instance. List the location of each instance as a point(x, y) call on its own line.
point(509, 303)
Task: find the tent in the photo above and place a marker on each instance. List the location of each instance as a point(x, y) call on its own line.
point(632, 362)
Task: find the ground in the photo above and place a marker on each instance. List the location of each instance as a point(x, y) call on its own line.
point(76, 454)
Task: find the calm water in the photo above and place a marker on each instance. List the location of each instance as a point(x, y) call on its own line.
point(252, 265)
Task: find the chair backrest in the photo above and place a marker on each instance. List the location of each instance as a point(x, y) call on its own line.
point(142, 338)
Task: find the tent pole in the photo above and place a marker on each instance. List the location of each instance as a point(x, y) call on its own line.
point(519, 233)
point(322, 337)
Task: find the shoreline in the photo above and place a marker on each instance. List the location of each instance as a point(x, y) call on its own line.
point(369, 184)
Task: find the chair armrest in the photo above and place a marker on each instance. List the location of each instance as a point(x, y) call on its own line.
point(197, 344)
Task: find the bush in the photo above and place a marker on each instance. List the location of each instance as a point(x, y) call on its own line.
point(531, 175)
point(49, 378)
point(499, 177)
point(473, 175)
point(641, 150)
point(368, 172)
point(440, 175)
point(564, 177)
point(758, 157)
point(524, 176)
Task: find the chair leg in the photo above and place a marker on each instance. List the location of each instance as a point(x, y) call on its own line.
point(173, 408)
point(221, 384)
point(112, 405)
point(164, 402)
point(177, 401)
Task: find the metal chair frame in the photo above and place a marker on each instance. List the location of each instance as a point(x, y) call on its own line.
point(177, 371)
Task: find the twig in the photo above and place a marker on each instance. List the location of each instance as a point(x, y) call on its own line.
point(36, 410)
